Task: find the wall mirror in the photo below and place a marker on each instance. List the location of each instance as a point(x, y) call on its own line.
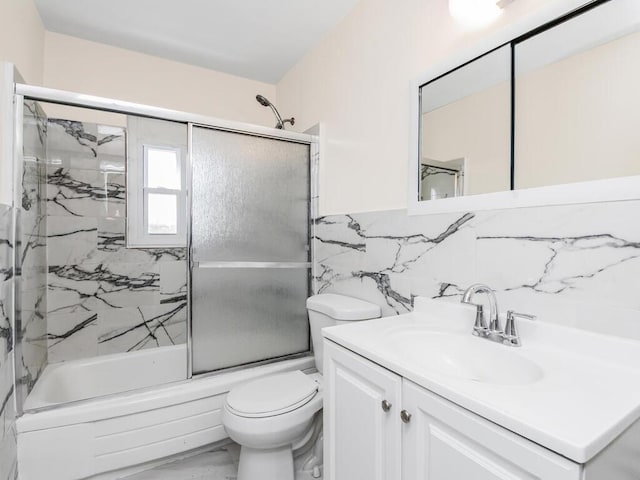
point(547, 117)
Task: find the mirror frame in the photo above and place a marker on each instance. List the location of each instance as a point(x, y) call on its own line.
point(606, 190)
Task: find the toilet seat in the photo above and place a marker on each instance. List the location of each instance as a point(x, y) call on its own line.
point(273, 395)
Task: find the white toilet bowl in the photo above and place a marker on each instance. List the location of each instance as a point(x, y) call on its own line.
point(273, 416)
point(270, 418)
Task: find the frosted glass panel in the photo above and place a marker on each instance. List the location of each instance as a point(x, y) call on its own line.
point(162, 168)
point(254, 191)
point(162, 213)
point(247, 315)
point(250, 203)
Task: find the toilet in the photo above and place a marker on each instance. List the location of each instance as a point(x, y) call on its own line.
point(274, 416)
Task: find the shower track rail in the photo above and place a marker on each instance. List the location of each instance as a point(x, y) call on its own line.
point(118, 106)
point(252, 264)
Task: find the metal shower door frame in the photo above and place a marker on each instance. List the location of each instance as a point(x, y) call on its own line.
point(312, 142)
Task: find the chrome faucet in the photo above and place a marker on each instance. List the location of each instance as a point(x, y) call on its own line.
point(494, 331)
point(480, 328)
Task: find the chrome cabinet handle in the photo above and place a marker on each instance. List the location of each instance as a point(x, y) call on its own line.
point(386, 406)
point(405, 416)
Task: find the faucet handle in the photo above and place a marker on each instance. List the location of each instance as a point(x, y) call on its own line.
point(511, 336)
point(480, 328)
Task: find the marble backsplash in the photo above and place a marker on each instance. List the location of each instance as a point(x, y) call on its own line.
point(8, 469)
point(576, 265)
point(102, 297)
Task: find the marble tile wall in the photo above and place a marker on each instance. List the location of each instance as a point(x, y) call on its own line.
point(8, 463)
point(575, 265)
point(31, 275)
point(102, 297)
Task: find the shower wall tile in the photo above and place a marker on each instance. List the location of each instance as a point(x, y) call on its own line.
point(8, 435)
point(576, 265)
point(72, 336)
point(73, 137)
point(92, 193)
point(111, 244)
point(70, 240)
point(111, 140)
point(31, 256)
point(102, 296)
point(34, 130)
point(77, 161)
point(111, 247)
point(130, 329)
point(172, 285)
point(7, 391)
point(74, 288)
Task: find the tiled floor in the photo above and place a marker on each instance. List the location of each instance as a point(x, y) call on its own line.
point(219, 464)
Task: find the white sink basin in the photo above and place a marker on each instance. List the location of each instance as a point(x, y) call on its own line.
point(569, 390)
point(463, 356)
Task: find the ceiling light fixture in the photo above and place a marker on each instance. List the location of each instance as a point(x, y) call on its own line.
point(476, 13)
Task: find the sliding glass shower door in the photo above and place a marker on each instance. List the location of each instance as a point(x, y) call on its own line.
point(249, 248)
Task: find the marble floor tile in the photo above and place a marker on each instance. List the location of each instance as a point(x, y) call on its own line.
point(219, 464)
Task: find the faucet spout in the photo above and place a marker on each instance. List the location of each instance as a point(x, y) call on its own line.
point(494, 329)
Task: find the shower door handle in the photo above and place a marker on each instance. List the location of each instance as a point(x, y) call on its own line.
point(252, 264)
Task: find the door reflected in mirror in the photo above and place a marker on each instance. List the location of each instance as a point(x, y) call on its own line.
point(441, 179)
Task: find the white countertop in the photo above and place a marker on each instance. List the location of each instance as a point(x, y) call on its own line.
point(588, 394)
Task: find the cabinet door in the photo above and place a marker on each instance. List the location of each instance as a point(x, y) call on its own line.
point(362, 440)
point(443, 441)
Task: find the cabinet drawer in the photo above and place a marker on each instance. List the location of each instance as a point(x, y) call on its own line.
point(445, 442)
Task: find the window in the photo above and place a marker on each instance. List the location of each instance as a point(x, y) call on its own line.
point(156, 187)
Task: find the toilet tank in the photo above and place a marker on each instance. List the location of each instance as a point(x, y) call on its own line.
point(328, 309)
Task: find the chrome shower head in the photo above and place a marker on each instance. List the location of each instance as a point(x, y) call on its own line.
point(263, 101)
point(280, 122)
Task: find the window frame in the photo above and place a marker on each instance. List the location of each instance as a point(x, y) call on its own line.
point(138, 192)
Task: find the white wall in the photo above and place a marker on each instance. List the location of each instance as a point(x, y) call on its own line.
point(22, 44)
point(22, 38)
point(81, 66)
point(68, 63)
point(357, 81)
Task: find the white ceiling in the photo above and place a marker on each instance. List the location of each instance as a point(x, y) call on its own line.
point(259, 39)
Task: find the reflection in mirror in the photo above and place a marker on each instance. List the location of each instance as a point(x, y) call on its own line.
point(465, 129)
point(441, 179)
point(577, 99)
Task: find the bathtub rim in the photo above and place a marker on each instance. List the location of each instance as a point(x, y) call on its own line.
point(52, 368)
point(153, 397)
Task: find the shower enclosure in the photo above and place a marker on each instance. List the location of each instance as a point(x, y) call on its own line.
point(89, 308)
point(124, 355)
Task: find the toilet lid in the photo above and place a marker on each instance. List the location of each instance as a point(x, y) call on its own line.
point(272, 395)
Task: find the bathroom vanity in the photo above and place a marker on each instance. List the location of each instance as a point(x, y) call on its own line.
point(416, 396)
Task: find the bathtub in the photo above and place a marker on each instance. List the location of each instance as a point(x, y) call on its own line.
point(104, 437)
point(105, 375)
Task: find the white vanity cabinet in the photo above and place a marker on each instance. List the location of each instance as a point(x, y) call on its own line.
point(439, 441)
point(443, 441)
point(362, 435)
